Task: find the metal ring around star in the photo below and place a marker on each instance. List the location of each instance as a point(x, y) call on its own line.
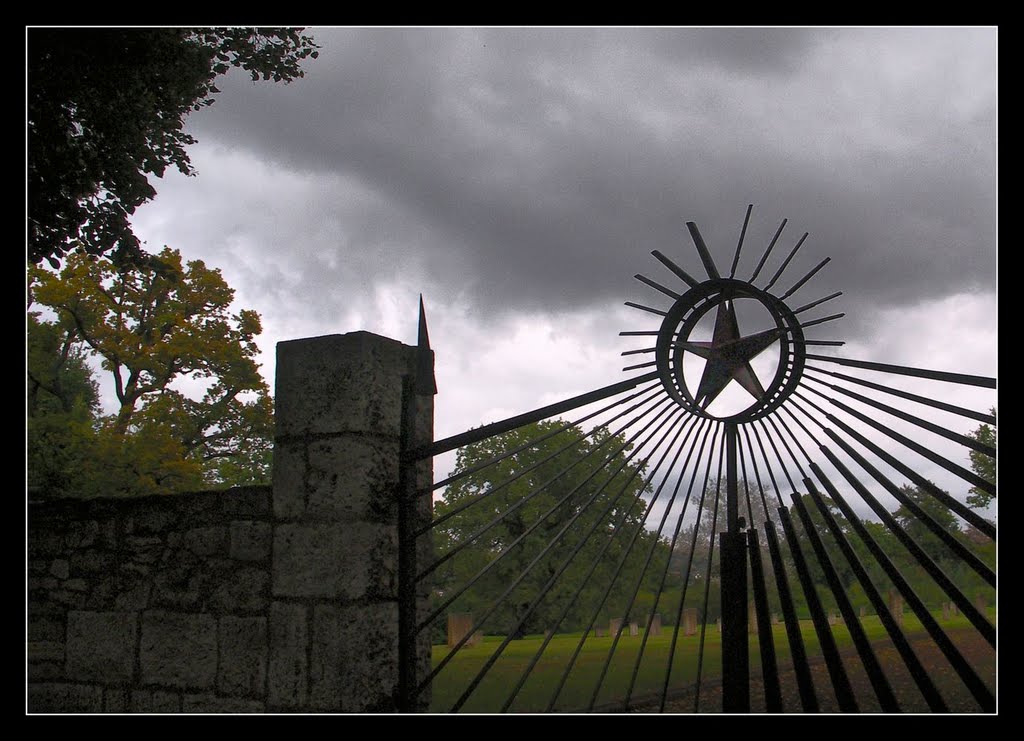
point(680, 321)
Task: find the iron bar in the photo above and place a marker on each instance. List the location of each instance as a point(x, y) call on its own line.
point(879, 682)
point(639, 333)
point(519, 474)
point(542, 438)
point(805, 325)
point(537, 558)
point(785, 264)
point(739, 245)
point(811, 305)
point(972, 613)
point(962, 552)
point(833, 662)
point(598, 521)
point(543, 517)
point(820, 343)
point(640, 365)
point(636, 589)
point(658, 287)
point(586, 579)
point(671, 550)
point(686, 278)
point(968, 476)
point(733, 571)
point(659, 312)
point(768, 251)
point(765, 637)
point(702, 250)
point(707, 595)
point(922, 483)
point(961, 411)
point(799, 284)
point(798, 653)
point(638, 352)
point(902, 645)
point(689, 565)
point(590, 625)
point(837, 672)
point(981, 381)
point(914, 420)
point(963, 668)
point(551, 410)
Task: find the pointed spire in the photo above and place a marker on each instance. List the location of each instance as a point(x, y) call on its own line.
point(426, 384)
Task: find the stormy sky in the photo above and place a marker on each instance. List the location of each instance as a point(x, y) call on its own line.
point(519, 177)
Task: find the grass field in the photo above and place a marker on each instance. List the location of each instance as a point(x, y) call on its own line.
point(535, 695)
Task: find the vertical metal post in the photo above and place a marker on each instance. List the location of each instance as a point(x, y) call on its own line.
point(735, 658)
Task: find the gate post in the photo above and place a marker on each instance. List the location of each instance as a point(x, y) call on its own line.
point(334, 620)
point(735, 658)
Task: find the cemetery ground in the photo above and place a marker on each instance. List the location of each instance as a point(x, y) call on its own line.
point(537, 691)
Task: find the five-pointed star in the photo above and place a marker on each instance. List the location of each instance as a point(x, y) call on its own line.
point(728, 357)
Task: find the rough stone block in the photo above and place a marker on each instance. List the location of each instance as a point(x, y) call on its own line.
point(92, 562)
point(289, 479)
point(60, 568)
point(352, 477)
point(155, 701)
point(45, 629)
point(340, 383)
point(206, 541)
point(178, 649)
point(115, 700)
point(101, 646)
point(81, 534)
point(245, 591)
point(242, 669)
point(58, 697)
point(286, 669)
point(335, 560)
point(212, 704)
point(135, 598)
point(45, 651)
point(250, 540)
point(354, 657)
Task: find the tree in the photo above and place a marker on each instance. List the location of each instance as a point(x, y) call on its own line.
point(602, 513)
point(155, 328)
point(106, 108)
point(983, 465)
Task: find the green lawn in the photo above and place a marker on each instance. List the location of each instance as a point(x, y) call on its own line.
point(536, 693)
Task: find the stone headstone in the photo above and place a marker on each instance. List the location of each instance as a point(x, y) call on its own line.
point(775, 618)
point(476, 638)
point(654, 626)
point(634, 629)
point(613, 626)
point(600, 632)
point(953, 608)
point(460, 624)
point(548, 633)
point(690, 621)
point(719, 625)
point(752, 619)
point(831, 619)
point(863, 611)
point(980, 602)
point(945, 611)
point(896, 606)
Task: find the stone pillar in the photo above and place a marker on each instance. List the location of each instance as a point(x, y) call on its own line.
point(333, 628)
point(459, 624)
point(634, 629)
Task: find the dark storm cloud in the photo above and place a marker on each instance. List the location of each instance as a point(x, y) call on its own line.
point(537, 168)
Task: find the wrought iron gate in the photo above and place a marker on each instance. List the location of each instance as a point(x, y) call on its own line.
point(651, 455)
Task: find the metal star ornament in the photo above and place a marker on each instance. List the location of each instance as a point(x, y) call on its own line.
point(728, 357)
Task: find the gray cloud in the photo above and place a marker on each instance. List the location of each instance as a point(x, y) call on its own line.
point(536, 168)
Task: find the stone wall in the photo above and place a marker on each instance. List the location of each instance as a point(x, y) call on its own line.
point(263, 599)
point(153, 604)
